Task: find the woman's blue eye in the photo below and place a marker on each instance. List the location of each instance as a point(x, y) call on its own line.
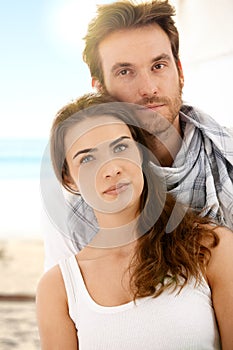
point(120, 148)
point(86, 159)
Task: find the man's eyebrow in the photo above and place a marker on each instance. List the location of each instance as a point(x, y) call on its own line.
point(163, 56)
point(121, 65)
point(86, 150)
point(113, 143)
point(117, 65)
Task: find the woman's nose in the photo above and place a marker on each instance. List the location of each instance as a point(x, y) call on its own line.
point(111, 169)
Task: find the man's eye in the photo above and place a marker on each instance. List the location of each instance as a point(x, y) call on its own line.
point(86, 159)
point(120, 148)
point(124, 72)
point(158, 66)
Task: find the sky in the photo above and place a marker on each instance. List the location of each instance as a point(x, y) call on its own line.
point(41, 63)
point(41, 69)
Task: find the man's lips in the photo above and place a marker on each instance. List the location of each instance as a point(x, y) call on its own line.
point(116, 189)
point(155, 107)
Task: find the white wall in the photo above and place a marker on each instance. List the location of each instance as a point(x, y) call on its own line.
point(206, 49)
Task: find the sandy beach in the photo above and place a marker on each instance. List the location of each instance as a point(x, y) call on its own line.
point(21, 265)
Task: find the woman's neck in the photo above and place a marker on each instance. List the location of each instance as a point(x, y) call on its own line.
point(116, 229)
point(95, 253)
point(115, 220)
point(115, 236)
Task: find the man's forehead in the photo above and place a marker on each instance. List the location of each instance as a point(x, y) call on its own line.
point(127, 47)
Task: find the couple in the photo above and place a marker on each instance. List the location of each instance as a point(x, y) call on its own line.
point(168, 269)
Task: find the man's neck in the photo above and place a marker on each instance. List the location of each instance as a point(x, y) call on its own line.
point(166, 145)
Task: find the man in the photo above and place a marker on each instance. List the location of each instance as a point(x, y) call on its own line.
point(132, 52)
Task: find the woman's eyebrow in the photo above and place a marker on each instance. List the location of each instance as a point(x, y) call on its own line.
point(86, 150)
point(113, 143)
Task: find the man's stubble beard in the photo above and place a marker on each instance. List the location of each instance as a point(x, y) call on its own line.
point(158, 123)
point(154, 122)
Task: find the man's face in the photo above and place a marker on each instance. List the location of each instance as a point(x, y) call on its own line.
point(139, 67)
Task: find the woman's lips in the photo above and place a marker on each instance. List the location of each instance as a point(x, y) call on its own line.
point(116, 189)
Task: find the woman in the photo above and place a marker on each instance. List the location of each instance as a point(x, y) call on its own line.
point(142, 282)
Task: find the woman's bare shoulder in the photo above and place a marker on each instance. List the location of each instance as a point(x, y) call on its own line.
point(56, 328)
point(221, 261)
point(224, 234)
point(51, 284)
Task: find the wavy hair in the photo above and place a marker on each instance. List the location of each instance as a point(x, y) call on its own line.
point(127, 15)
point(161, 260)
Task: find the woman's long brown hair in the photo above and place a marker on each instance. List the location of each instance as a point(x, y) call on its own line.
point(164, 258)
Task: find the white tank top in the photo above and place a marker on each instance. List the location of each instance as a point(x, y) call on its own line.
point(172, 321)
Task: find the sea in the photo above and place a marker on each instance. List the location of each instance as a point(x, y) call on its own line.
point(20, 199)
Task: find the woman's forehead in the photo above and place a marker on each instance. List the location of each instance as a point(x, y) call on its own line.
point(96, 128)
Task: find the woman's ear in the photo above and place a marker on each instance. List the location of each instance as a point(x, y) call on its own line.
point(140, 154)
point(96, 85)
point(69, 184)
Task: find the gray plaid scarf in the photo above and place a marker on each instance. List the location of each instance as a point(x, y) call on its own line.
point(202, 173)
point(200, 177)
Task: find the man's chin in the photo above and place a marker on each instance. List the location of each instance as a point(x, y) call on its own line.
point(158, 125)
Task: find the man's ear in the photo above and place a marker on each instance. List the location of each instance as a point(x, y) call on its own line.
point(96, 85)
point(181, 74)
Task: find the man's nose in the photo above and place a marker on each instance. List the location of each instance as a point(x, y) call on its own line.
point(147, 84)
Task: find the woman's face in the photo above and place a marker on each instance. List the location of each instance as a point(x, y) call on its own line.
point(105, 164)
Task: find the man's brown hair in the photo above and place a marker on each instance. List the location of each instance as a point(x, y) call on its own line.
point(127, 15)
